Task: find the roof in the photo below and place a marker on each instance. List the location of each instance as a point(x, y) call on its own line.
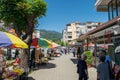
point(104, 25)
point(101, 27)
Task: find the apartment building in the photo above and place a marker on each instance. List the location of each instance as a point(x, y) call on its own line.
point(64, 35)
point(1, 24)
point(36, 34)
point(72, 31)
point(76, 29)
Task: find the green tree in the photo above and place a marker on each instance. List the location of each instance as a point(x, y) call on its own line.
point(66, 43)
point(58, 42)
point(55, 40)
point(22, 15)
point(62, 43)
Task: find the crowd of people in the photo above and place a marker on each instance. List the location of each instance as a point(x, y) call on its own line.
point(106, 70)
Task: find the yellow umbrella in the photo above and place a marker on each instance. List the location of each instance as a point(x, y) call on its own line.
point(9, 40)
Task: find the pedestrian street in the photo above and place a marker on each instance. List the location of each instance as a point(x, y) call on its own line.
point(61, 68)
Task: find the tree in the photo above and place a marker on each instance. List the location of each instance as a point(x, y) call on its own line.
point(66, 43)
point(62, 43)
point(22, 15)
point(55, 40)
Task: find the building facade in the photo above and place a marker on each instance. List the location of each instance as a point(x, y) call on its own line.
point(64, 35)
point(76, 29)
point(36, 34)
point(109, 31)
point(110, 6)
point(1, 24)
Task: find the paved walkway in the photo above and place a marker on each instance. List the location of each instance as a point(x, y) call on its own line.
point(61, 68)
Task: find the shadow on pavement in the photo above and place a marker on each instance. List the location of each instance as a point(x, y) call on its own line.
point(30, 78)
point(46, 66)
point(74, 60)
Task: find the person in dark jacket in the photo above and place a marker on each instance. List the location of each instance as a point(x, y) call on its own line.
point(32, 58)
point(82, 68)
point(103, 70)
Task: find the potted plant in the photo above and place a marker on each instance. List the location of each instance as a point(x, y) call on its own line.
point(89, 57)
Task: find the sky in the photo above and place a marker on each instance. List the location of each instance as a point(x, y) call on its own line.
point(62, 12)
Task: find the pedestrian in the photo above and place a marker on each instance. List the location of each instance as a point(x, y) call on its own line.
point(16, 53)
point(103, 70)
point(68, 50)
point(79, 51)
point(8, 54)
point(82, 68)
point(74, 51)
point(108, 61)
point(32, 59)
point(65, 51)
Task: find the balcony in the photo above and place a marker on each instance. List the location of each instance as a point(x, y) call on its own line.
point(101, 5)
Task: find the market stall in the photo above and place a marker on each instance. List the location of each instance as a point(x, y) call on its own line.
point(10, 69)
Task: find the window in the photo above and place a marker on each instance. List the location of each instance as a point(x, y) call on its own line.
point(69, 36)
point(89, 27)
point(77, 32)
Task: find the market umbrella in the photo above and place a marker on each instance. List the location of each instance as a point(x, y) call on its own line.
point(9, 40)
point(104, 46)
point(42, 42)
point(89, 44)
point(54, 45)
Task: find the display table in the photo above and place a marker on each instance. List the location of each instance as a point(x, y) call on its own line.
point(20, 77)
point(15, 74)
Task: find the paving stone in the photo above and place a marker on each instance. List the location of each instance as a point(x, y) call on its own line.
point(61, 68)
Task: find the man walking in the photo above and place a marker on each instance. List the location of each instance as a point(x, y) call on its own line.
point(103, 70)
point(74, 51)
point(82, 68)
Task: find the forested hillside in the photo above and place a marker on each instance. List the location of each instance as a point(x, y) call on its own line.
point(51, 35)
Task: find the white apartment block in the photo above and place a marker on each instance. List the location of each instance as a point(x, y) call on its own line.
point(74, 30)
point(36, 34)
point(64, 33)
point(91, 25)
point(1, 24)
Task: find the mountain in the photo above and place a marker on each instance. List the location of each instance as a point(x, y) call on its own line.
point(51, 35)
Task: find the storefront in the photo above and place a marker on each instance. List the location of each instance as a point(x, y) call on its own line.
point(107, 33)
